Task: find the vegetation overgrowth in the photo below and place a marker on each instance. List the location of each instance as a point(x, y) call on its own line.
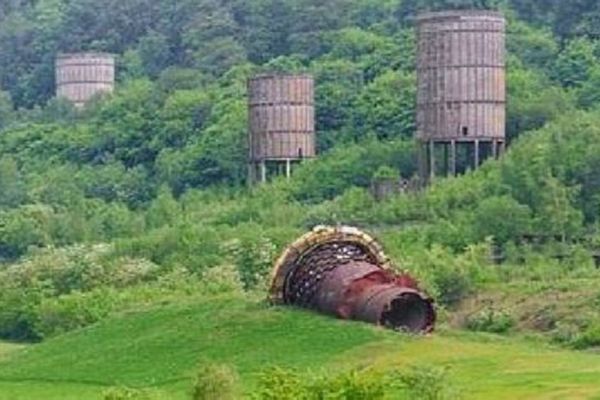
point(140, 199)
point(166, 352)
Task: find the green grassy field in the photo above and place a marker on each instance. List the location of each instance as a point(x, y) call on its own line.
point(7, 348)
point(159, 348)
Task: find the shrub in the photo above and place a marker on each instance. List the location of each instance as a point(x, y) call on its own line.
point(502, 217)
point(590, 337)
point(427, 383)
point(54, 290)
point(443, 270)
point(565, 334)
point(490, 320)
point(352, 385)
point(126, 394)
point(127, 271)
point(386, 172)
point(76, 310)
point(222, 279)
point(453, 284)
point(17, 311)
point(281, 384)
point(253, 254)
point(214, 382)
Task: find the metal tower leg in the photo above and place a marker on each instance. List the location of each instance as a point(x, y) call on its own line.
point(476, 154)
point(453, 157)
point(432, 160)
point(263, 171)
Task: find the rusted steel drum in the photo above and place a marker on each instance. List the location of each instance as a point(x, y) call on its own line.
point(343, 272)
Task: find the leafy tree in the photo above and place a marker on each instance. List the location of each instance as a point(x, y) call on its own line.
point(21, 228)
point(589, 95)
point(501, 217)
point(175, 78)
point(535, 48)
point(558, 215)
point(534, 101)
point(386, 107)
point(12, 191)
point(155, 53)
point(575, 63)
point(6, 110)
point(338, 85)
point(164, 209)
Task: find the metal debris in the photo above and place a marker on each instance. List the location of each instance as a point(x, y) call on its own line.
point(342, 271)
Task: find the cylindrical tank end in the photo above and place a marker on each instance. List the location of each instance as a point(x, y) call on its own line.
point(399, 308)
point(409, 312)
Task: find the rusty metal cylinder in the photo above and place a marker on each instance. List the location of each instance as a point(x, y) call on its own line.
point(81, 76)
point(396, 307)
point(281, 117)
point(461, 75)
point(343, 273)
point(333, 296)
point(364, 292)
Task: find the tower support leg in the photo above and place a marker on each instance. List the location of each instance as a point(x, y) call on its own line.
point(453, 157)
point(476, 154)
point(446, 160)
point(423, 161)
point(263, 171)
point(251, 174)
point(432, 160)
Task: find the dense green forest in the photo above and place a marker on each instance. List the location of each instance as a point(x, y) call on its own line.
point(139, 200)
point(142, 194)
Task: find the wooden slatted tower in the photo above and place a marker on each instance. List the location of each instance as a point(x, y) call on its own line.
point(461, 96)
point(81, 76)
point(281, 124)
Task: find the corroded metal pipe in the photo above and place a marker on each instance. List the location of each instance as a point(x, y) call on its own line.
point(342, 271)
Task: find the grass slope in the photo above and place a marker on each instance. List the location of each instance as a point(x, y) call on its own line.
point(160, 348)
point(7, 348)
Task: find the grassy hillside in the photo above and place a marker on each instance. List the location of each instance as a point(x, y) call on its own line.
point(7, 348)
point(161, 347)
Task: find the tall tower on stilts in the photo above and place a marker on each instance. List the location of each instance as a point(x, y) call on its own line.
point(281, 124)
point(461, 96)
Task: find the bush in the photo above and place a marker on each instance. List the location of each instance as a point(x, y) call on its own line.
point(214, 382)
point(352, 385)
point(490, 320)
point(590, 337)
point(448, 274)
point(126, 394)
point(252, 252)
point(427, 383)
point(222, 279)
point(17, 311)
point(76, 310)
point(57, 290)
point(281, 384)
point(453, 284)
point(565, 334)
